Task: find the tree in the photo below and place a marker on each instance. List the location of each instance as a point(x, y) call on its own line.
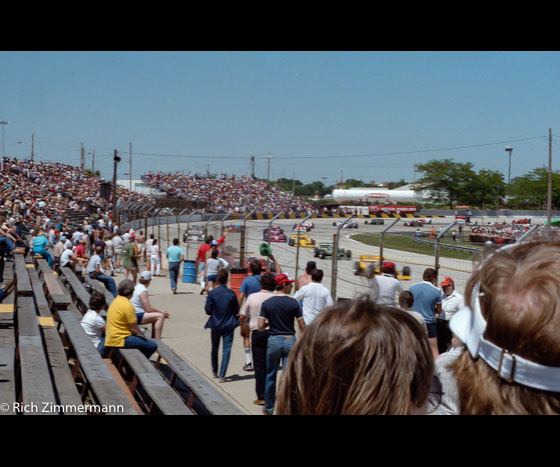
point(444, 179)
point(483, 188)
point(530, 191)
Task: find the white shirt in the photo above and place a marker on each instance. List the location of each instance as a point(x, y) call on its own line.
point(452, 304)
point(136, 301)
point(93, 262)
point(316, 297)
point(384, 289)
point(93, 324)
point(449, 404)
point(66, 256)
point(77, 236)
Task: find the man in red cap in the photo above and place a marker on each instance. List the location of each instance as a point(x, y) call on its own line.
point(385, 287)
point(278, 313)
point(452, 301)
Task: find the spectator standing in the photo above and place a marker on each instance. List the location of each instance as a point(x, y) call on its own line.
point(223, 308)
point(385, 287)
point(58, 249)
point(427, 302)
point(315, 296)
point(130, 258)
point(175, 257)
point(212, 266)
point(449, 403)
point(148, 249)
point(358, 358)
point(117, 246)
point(305, 278)
point(249, 317)
point(155, 259)
point(406, 301)
point(278, 314)
point(452, 302)
point(145, 312)
point(122, 329)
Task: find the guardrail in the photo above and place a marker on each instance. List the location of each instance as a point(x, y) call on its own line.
point(446, 245)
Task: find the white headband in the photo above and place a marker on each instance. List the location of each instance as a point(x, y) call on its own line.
point(469, 325)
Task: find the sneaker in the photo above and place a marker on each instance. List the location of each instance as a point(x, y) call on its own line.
point(222, 380)
point(174, 291)
point(265, 412)
point(214, 375)
point(248, 367)
point(258, 402)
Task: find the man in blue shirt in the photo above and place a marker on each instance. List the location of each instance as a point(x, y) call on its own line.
point(223, 308)
point(252, 284)
point(427, 302)
point(175, 257)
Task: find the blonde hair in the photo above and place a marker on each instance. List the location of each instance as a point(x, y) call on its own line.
point(520, 302)
point(358, 358)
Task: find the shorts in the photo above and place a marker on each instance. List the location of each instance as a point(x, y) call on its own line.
point(432, 330)
point(140, 317)
point(212, 278)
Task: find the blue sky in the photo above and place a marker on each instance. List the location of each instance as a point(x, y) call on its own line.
point(364, 115)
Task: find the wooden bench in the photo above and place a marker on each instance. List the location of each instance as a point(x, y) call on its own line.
point(22, 282)
point(100, 287)
point(34, 385)
point(55, 291)
point(199, 393)
point(76, 288)
point(99, 380)
point(161, 398)
point(7, 354)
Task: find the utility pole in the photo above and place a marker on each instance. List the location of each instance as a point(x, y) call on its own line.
point(82, 159)
point(253, 167)
point(93, 163)
point(294, 183)
point(116, 160)
point(268, 169)
point(130, 170)
point(549, 179)
point(32, 145)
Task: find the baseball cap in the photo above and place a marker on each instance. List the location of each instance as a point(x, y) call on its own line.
point(389, 265)
point(132, 235)
point(213, 243)
point(62, 238)
point(447, 281)
point(146, 275)
point(282, 279)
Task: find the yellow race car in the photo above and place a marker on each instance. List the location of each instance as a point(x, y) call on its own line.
point(304, 240)
point(369, 265)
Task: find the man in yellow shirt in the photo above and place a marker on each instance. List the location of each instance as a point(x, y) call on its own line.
point(122, 329)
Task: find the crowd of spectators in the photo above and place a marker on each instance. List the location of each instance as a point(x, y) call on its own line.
point(503, 233)
point(228, 193)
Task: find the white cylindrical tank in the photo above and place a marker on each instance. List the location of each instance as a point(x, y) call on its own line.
point(379, 195)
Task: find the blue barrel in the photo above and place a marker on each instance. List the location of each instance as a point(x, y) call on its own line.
point(189, 272)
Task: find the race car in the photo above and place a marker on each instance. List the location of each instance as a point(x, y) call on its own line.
point(326, 249)
point(348, 225)
point(195, 233)
point(304, 240)
point(304, 226)
point(375, 221)
point(369, 265)
point(418, 223)
point(274, 228)
point(275, 236)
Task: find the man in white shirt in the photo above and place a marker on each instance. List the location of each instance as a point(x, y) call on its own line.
point(92, 322)
point(385, 287)
point(451, 302)
point(315, 296)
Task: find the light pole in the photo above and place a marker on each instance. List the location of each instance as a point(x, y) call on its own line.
point(116, 160)
point(3, 154)
point(509, 149)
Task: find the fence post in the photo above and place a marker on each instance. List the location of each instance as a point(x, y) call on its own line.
point(188, 227)
point(436, 246)
point(297, 250)
point(242, 245)
point(381, 242)
point(223, 219)
point(335, 257)
point(269, 228)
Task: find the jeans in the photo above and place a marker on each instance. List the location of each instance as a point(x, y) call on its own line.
point(259, 341)
point(108, 281)
point(146, 346)
point(174, 274)
point(278, 348)
point(228, 341)
point(45, 254)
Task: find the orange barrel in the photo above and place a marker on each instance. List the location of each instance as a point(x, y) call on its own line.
point(236, 279)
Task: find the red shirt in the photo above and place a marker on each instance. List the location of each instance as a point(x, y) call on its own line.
point(203, 249)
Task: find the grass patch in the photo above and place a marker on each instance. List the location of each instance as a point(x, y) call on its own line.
point(404, 243)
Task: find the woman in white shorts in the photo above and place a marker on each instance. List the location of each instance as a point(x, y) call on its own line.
point(155, 258)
